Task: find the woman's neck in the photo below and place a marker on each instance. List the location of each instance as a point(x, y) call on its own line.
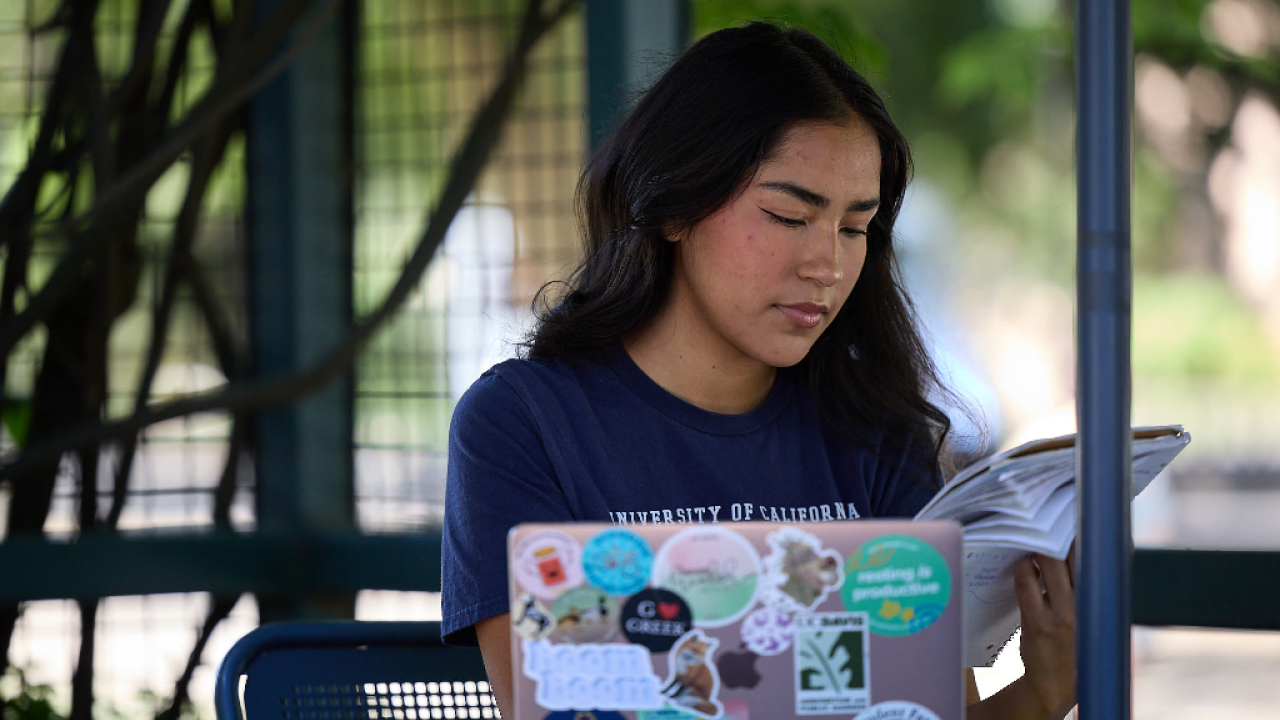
point(719, 382)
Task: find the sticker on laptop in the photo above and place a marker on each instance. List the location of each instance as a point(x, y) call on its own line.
point(898, 710)
point(656, 619)
point(607, 676)
point(799, 573)
point(900, 581)
point(768, 631)
point(717, 571)
point(733, 710)
point(585, 615)
point(832, 668)
point(547, 562)
point(530, 618)
point(693, 681)
point(584, 715)
point(617, 561)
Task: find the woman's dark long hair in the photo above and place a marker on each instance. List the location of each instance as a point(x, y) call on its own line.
point(689, 145)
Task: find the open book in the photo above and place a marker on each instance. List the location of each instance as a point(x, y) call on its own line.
point(1018, 502)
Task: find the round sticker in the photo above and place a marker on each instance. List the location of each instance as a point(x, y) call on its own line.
point(656, 619)
point(585, 615)
point(767, 631)
point(617, 561)
point(584, 715)
point(530, 618)
point(897, 710)
point(547, 563)
point(901, 582)
point(716, 570)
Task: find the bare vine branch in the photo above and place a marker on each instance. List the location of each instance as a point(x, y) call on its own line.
point(482, 137)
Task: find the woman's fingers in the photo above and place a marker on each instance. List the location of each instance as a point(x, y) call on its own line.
point(1059, 589)
point(1026, 583)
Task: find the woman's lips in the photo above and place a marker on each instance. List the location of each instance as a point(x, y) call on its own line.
point(803, 315)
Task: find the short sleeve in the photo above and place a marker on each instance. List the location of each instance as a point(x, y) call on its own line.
point(498, 475)
point(907, 477)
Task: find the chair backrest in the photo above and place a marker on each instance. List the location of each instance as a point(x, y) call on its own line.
point(351, 670)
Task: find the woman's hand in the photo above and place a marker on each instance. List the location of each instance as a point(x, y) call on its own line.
point(1047, 600)
point(1047, 688)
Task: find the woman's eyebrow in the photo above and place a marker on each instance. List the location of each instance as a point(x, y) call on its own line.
point(809, 197)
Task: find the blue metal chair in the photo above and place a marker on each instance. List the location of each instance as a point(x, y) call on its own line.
point(350, 670)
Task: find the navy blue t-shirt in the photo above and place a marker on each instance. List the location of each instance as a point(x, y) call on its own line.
point(595, 439)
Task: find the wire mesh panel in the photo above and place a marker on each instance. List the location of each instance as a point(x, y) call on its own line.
point(425, 67)
point(141, 643)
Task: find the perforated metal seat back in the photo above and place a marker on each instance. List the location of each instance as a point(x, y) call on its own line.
point(379, 683)
point(354, 671)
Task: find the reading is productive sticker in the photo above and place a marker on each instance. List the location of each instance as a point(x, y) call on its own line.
point(901, 582)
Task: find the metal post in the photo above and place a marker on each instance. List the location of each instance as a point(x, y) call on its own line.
point(299, 269)
point(1103, 50)
point(628, 43)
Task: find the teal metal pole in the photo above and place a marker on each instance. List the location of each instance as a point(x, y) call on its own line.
point(1103, 51)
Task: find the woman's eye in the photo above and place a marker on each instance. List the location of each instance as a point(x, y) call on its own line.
point(854, 232)
point(781, 220)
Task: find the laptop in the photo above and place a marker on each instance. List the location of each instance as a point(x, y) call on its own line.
point(742, 621)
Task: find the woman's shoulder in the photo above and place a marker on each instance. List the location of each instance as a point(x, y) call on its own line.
point(532, 382)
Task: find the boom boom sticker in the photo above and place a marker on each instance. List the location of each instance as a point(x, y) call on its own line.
point(715, 570)
point(901, 582)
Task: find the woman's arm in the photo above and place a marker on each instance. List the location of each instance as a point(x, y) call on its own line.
point(494, 635)
point(1047, 688)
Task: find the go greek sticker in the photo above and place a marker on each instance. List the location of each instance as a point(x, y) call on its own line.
point(901, 582)
point(715, 570)
point(897, 710)
point(547, 563)
point(617, 561)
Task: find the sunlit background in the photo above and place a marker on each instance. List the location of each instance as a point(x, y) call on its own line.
point(982, 89)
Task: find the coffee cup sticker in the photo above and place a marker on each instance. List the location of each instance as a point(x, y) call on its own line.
point(656, 619)
point(617, 561)
point(547, 563)
point(715, 570)
point(530, 617)
point(900, 581)
point(767, 631)
point(799, 573)
point(585, 615)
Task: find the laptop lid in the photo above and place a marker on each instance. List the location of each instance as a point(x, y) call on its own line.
point(737, 620)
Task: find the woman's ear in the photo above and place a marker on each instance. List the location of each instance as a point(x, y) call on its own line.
point(672, 233)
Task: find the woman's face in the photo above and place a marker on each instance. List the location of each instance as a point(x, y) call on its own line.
point(765, 275)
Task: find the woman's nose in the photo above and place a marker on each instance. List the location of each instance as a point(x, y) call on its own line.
point(824, 263)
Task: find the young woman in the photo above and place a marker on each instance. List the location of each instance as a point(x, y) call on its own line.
point(736, 334)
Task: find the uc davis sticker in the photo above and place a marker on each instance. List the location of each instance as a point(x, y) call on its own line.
point(831, 664)
point(901, 582)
